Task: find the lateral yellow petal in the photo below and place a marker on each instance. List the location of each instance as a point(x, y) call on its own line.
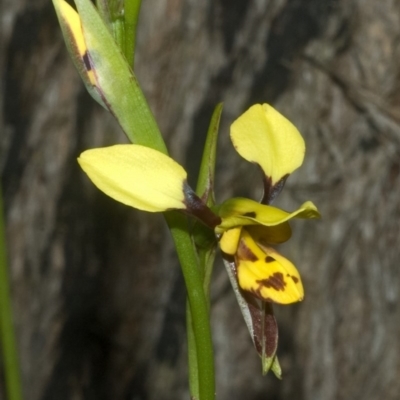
point(267, 274)
point(242, 211)
point(137, 176)
point(264, 136)
point(230, 240)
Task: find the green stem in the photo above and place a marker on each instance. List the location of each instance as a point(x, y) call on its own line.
point(119, 32)
point(192, 356)
point(131, 12)
point(198, 303)
point(9, 348)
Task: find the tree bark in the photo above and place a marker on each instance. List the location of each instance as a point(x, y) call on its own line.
point(98, 297)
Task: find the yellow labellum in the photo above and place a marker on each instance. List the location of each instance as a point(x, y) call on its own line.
point(265, 273)
point(137, 176)
point(264, 136)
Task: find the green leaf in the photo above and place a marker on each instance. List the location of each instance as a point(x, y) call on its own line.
point(103, 8)
point(117, 82)
point(204, 238)
point(205, 181)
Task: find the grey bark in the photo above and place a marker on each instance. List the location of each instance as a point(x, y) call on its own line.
point(97, 292)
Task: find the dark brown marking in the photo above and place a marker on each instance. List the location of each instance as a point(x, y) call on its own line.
point(267, 332)
point(250, 214)
point(269, 259)
point(275, 281)
point(197, 208)
point(244, 253)
point(295, 278)
point(272, 191)
point(86, 61)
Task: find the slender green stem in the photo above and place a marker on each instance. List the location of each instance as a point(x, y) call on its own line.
point(119, 32)
point(132, 9)
point(192, 356)
point(197, 301)
point(7, 336)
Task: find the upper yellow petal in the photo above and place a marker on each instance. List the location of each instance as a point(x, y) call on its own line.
point(264, 136)
point(137, 176)
point(242, 211)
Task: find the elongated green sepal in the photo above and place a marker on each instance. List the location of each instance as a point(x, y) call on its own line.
point(260, 321)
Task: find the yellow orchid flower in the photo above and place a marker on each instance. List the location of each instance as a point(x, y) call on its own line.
point(249, 229)
point(265, 137)
point(148, 180)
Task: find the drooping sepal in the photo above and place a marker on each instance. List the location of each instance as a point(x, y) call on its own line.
point(264, 136)
point(260, 322)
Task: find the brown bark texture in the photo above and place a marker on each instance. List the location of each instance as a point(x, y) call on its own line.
point(98, 297)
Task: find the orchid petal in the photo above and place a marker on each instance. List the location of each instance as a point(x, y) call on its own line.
point(137, 176)
point(264, 136)
point(242, 211)
point(270, 235)
point(260, 321)
point(230, 240)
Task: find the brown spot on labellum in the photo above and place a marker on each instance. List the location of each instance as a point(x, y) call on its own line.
point(295, 278)
point(275, 281)
point(269, 259)
point(244, 253)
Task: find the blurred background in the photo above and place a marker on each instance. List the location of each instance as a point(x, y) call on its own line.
point(98, 296)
